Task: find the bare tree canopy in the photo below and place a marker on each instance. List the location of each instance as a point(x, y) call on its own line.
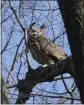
point(26, 50)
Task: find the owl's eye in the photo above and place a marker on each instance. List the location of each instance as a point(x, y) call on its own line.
point(39, 32)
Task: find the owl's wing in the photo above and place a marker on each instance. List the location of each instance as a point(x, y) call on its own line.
point(51, 49)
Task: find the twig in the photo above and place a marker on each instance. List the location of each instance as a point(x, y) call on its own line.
point(16, 15)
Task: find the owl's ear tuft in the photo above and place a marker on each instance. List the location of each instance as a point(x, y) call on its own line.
point(42, 26)
point(32, 25)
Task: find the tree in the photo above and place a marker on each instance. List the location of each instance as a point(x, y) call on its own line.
point(19, 74)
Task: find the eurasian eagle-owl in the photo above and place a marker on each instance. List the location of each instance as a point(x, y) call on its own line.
point(43, 50)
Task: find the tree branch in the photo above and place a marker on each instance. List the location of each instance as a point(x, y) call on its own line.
point(43, 74)
point(16, 16)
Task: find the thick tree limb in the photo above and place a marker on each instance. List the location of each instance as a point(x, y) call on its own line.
point(42, 74)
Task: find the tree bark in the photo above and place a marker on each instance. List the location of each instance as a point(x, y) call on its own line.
point(4, 98)
point(73, 15)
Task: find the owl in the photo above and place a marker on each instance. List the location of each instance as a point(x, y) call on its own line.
point(42, 49)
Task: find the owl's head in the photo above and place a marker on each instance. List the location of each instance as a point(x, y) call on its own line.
point(36, 32)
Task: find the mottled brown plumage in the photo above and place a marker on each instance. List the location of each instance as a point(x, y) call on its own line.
point(43, 50)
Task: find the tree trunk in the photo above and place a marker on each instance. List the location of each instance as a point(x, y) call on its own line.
point(73, 15)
